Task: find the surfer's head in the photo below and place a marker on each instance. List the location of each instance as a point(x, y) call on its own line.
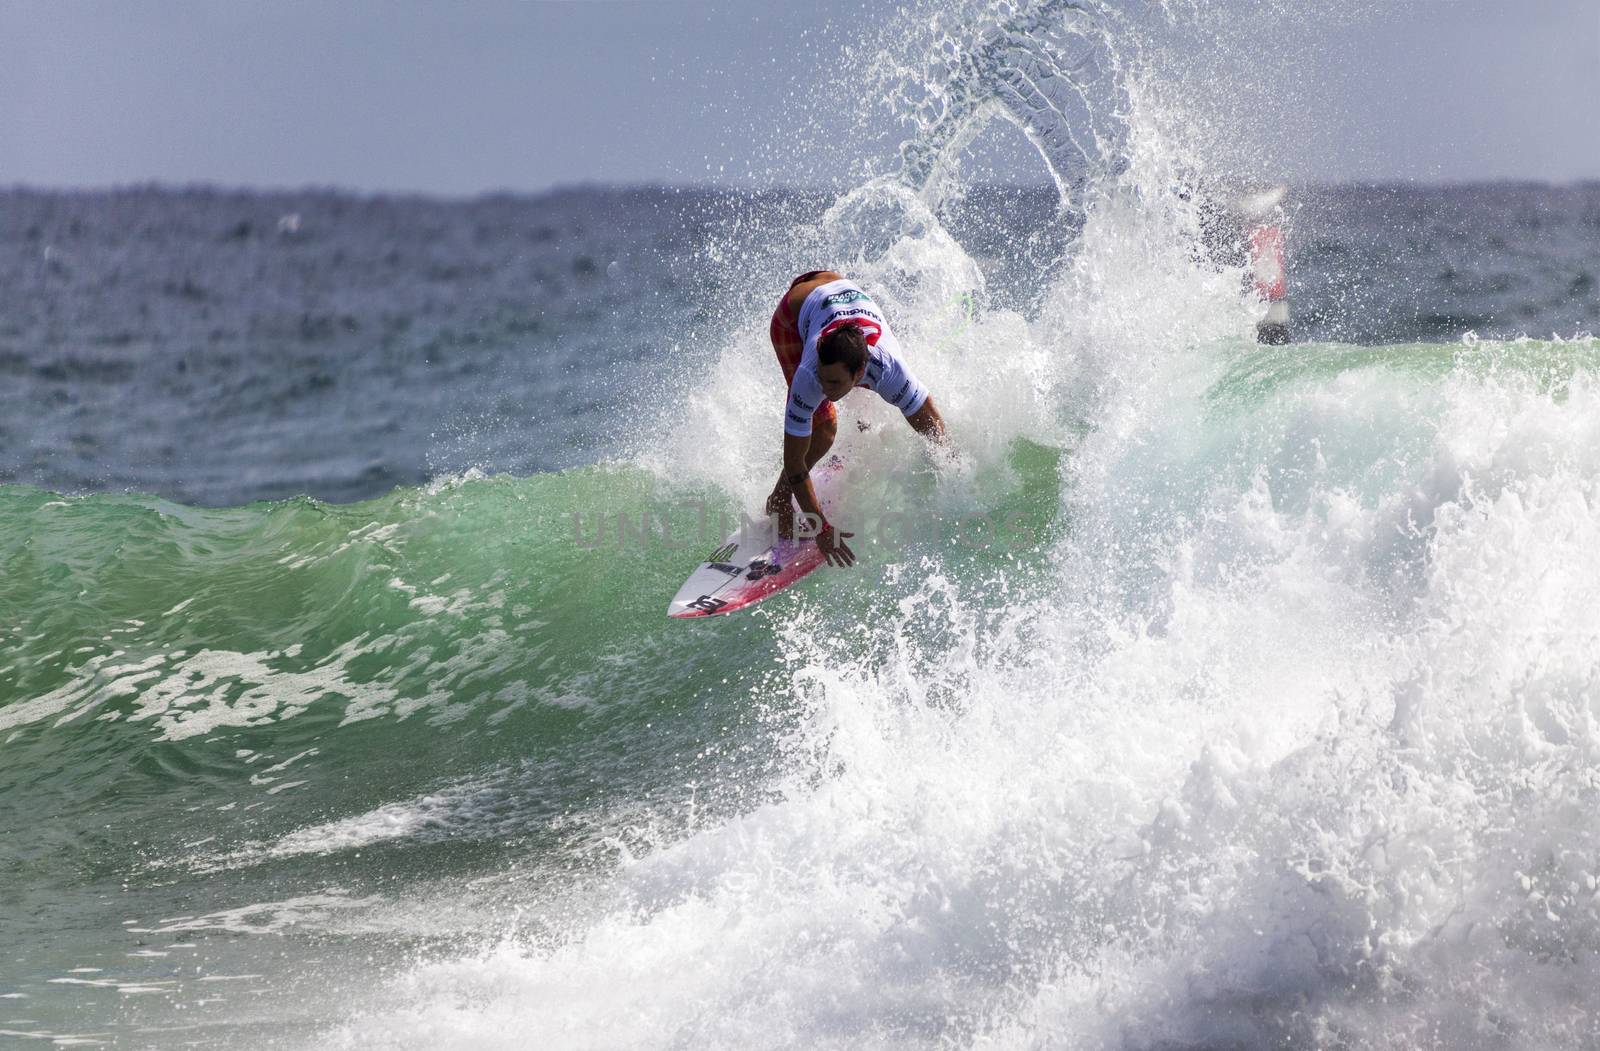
point(841, 360)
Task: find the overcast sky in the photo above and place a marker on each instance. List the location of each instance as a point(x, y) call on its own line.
point(462, 98)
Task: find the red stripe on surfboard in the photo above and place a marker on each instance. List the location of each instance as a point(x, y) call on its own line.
point(752, 591)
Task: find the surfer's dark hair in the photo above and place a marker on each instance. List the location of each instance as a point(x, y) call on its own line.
point(845, 345)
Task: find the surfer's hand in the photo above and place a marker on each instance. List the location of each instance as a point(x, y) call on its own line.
point(834, 549)
point(781, 505)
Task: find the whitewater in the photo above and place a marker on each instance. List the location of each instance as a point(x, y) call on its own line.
point(1273, 721)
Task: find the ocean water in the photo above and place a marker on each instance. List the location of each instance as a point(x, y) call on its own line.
point(1213, 695)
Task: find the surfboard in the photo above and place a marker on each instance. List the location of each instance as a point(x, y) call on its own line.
point(751, 565)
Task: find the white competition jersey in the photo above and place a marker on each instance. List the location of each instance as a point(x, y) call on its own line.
point(843, 303)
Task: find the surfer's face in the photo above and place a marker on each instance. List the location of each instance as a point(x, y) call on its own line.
point(837, 380)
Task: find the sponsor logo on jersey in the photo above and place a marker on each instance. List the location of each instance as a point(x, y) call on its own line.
point(849, 295)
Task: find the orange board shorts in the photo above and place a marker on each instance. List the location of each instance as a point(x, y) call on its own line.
point(787, 345)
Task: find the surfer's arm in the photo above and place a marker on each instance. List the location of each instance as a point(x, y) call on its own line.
point(796, 478)
point(805, 439)
point(897, 386)
point(927, 422)
point(795, 482)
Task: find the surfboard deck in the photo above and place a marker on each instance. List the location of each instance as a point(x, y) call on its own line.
point(749, 567)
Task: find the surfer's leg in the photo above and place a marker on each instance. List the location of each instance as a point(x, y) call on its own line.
point(785, 340)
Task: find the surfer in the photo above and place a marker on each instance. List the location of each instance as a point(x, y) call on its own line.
point(830, 338)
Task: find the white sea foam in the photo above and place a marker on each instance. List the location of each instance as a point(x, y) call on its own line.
point(471, 809)
point(316, 911)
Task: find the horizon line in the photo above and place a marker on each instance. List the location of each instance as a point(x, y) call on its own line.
point(600, 186)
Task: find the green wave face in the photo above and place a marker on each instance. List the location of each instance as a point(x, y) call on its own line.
point(1254, 377)
point(308, 660)
point(160, 649)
